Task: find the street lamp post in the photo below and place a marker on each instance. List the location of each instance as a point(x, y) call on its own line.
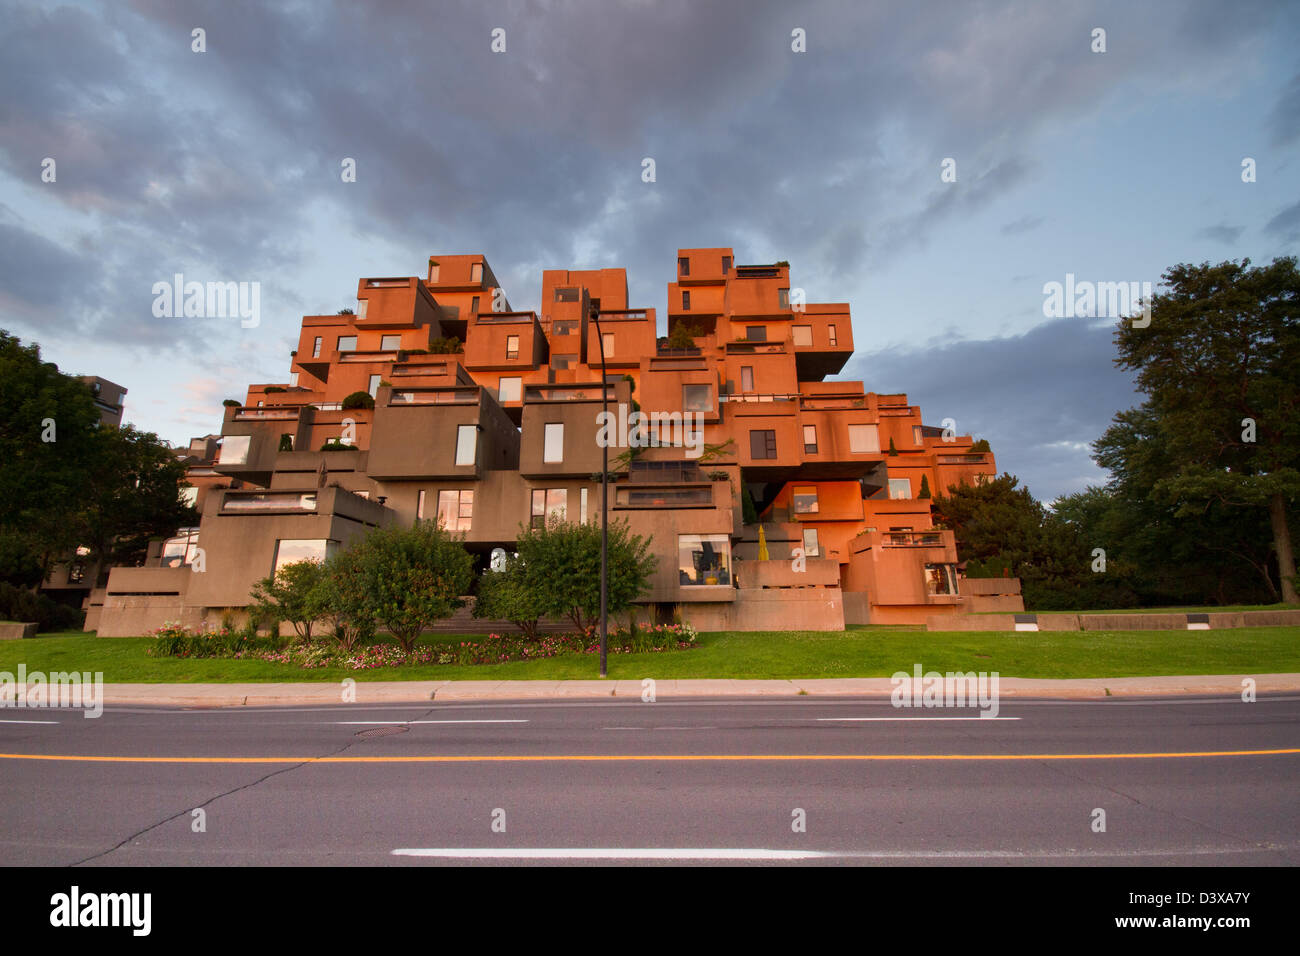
point(604, 501)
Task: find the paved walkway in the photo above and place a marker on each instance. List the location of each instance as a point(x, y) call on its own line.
point(393, 692)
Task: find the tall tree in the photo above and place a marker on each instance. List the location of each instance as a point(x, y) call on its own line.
point(1220, 364)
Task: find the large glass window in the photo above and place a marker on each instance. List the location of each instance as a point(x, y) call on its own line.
point(783, 298)
point(466, 442)
point(900, 488)
point(234, 450)
point(941, 578)
point(684, 266)
point(510, 389)
point(347, 343)
point(390, 342)
point(697, 398)
point(762, 444)
point(456, 509)
point(179, 551)
point(373, 387)
point(811, 546)
point(802, 334)
point(291, 550)
point(512, 346)
point(315, 347)
point(864, 439)
point(553, 449)
point(746, 378)
point(703, 559)
point(686, 300)
point(548, 501)
point(756, 333)
point(810, 439)
point(607, 343)
point(805, 500)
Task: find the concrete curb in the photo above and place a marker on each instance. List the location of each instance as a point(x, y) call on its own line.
point(403, 692)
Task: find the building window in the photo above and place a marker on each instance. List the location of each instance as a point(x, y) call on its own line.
point(510, 389)
point(347, 343)
point(684, 266)
point(177, 552)
point(456, 509)
point(362, 306)
point(566, 295)
point(190, 496)
point(762, 444)
point(746, 378)
point(686, 299)
point(434, 269)
point(293, 379)
point(811, 546)
point(234, 450)
point(563, 327)
point(900, 487)
point(476, 272)
point(697, 398)
point(315, 347)
point(703, 559)
point(810, 439)
point(546, 502)
point(512, 346)
point(783, 298)
point(553, 446)
point(419, 505)
point(607, 343)
point(756, 333)
point(804, 500)
point(582, 505)
point(473, 305)
point(466, 444)
point(802, 334)
point(916, 435)
point(864, 440)
point(561, 362)
point(292, 550)
point(726, 264)
point(830, 333)
point(941, 578)
point(373, 387)
point(390, 342)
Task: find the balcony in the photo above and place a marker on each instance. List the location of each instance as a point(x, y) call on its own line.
point(268, 502)
point(975, 459)
point(666, 472)
point(913, 539)
point(645, 494)
point(434, 396)
point(278, 413)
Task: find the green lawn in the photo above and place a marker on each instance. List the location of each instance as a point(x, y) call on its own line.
point(858, 652)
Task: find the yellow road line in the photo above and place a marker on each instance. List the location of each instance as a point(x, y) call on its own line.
point(581, 758)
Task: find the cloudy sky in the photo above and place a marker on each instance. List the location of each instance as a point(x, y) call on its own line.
point(225, 165)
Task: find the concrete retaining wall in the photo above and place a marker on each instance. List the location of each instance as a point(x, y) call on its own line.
point(16, 630)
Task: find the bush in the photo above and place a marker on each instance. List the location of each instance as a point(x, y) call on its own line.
point(333, 444)
point(176, 640)
point(273, 389)
point(19, 604)
point(286, 442)
point(445, 346)
point(232, 403)
point(359, 400)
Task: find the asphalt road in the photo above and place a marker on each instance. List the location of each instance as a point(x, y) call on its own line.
point(672, 781)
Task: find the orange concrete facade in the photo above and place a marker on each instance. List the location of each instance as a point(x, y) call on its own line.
point(488, 419)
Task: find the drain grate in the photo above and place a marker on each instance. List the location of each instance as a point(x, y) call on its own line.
point(382, 731)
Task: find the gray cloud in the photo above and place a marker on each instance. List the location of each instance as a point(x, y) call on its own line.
point(1225, 234)
point(1039, 398)
point(1286, 223)
point(1021, 225)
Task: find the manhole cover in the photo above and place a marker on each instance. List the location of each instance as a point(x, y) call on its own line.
point(382, 731)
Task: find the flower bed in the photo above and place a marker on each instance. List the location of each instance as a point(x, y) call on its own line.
point(173, 640)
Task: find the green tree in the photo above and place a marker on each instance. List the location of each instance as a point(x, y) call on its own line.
point(131, 494)
point(295, 594)
point(1220, 365)
point(404, 579)
point(682, 336)
point(561, 564)
point(509, 594)
point(346, 610)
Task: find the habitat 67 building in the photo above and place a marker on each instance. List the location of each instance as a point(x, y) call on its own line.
point(775, 498)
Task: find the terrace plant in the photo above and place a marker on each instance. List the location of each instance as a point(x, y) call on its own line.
point(294, 594)
point(358, 400)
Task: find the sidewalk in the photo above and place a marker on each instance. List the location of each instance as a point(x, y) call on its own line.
point(403, 692)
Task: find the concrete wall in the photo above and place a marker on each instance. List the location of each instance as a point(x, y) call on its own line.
point(785, 609)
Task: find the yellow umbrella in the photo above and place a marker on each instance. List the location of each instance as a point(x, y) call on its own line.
point(762, 545)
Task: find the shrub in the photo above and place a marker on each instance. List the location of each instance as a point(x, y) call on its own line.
point(925, 487)
point(286, 442)
point(333, 444)
point(359, 400)
point(445, 346)
point(232, 403)
point(19, 604)
point(293, 594)
point(273, 389)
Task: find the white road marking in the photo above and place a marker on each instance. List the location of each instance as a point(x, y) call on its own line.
point(611, 853)
point(916, 718)
point(403, 723)
point(28, 721)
